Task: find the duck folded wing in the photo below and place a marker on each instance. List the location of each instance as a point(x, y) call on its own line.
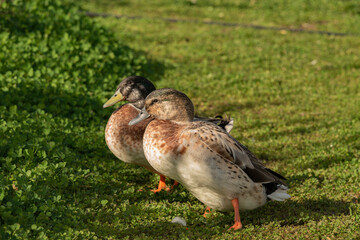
point(226, 123)
point(219, 141)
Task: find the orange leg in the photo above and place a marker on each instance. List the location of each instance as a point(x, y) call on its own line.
point(174, 184)
point(207, 211)
point(162, 184)
point(237, 225)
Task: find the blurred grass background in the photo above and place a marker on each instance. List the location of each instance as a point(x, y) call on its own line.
point(294, 98)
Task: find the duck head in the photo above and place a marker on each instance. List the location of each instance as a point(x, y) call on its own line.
point(166, 104)
point(133, 89)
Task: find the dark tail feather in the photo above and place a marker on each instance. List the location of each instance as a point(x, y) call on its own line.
point(275, 173)
point(226, 123)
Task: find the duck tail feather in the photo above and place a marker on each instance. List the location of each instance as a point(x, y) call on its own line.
point(280, 194)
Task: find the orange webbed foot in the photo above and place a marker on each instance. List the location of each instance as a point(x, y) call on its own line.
point(236, 226)
point(159, 190)
point(162, 185)
point(174, 185)
point(207, 211)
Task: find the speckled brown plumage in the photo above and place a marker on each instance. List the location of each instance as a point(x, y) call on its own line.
point(205, 159)
point(125, 141)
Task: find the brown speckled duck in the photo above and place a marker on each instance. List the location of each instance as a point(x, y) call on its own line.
point(126, 142)
point(205, 159)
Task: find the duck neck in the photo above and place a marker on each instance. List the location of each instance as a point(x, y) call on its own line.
point(139, 103)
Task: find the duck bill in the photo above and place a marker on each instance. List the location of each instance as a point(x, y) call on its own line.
point(117, 97)
point(142, 116)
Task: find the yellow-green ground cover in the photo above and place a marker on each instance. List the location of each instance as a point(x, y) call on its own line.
point(295, 99)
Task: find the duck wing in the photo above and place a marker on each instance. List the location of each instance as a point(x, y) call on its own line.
point(219, 141)
point(226, 123)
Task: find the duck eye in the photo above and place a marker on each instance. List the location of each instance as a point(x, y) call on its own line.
point(153, 101)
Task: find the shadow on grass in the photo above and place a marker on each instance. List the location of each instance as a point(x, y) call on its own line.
point(133, 184)
point(149, 223)
point(140, 221)
point(297, 213)
point(289, 213)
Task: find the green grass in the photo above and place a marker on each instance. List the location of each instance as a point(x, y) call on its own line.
point(343, 16)
point(295, 99)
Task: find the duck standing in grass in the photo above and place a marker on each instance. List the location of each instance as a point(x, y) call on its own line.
point(126, 142)
point(205, 159)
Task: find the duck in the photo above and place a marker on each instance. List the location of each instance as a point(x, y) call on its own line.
point(126, 142)
point(212, 165)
